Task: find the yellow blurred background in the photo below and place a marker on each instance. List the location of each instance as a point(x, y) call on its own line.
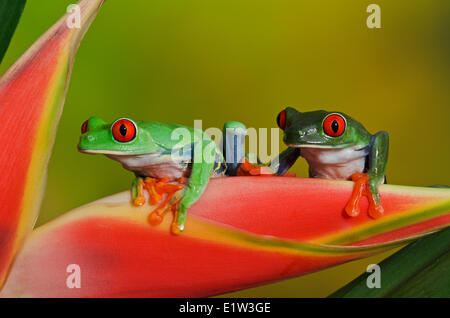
point(177, 61)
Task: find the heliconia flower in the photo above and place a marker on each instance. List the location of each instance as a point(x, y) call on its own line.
point(243, 232)
point(32, 94)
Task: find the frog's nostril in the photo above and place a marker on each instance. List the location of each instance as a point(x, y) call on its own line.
point(90, 138)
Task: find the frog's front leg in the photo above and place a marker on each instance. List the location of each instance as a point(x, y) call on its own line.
point(367, 183)
point(202, 167)
point(285, 160)
point(377, 171)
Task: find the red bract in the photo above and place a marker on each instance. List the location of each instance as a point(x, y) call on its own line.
point(32, 94)
point(243, 232)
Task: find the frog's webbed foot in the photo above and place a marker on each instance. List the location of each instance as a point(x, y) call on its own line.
point(166, 195)
point(246, 168)
point(364, 186)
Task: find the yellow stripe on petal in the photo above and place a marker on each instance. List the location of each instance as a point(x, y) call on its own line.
point(121, 255)
point(387, 224)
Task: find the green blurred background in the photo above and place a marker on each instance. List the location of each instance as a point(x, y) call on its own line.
point(180, 60)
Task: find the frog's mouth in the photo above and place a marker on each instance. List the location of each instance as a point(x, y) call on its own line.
point(101, 152)
point(115, 154)
point(318, 146)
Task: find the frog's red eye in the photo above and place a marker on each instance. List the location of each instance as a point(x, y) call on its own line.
point(281, 119)
point(124, 130)
point(334, 125)
point(84, 127)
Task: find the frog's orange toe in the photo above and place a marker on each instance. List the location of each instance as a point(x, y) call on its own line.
point(246, 168)
point(375, 210)
point(261, 171)
point(176, 229)
point(139, 201)
point(352, 208)
point(155, 218)
point(150, 185)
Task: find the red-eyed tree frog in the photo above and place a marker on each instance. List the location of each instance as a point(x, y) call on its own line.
point(336, 147)
point(166, 158)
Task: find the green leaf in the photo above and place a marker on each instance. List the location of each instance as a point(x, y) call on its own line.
point(421, 269)
point(10, 12)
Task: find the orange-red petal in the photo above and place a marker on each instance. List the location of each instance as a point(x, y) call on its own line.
point(244, 231)
point(32, 94)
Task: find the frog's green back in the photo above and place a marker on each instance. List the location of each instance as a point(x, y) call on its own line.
point(170, 135)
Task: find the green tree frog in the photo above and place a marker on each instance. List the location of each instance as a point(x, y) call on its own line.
point(165, 159)
point(336, 147)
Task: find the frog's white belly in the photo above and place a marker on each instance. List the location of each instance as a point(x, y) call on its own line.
point(155, 165)
point(331, 163)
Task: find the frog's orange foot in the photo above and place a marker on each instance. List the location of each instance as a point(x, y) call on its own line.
point(246, 168)
point(360, 189)
point(361, 180)
point(176, 228)
point(376, 211)
point(161, 192)
point(139, 201)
